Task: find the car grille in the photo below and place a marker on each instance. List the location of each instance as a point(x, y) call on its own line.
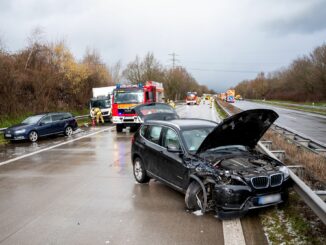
point(260, 182)
point(276, 179)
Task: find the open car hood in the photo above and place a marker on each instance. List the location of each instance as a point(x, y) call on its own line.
point(155, 111)
point(245, 128)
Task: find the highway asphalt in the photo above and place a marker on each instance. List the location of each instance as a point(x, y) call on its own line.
point(82, 191)
point(309, 124)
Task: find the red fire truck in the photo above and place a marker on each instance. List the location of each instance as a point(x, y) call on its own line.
point(191, 98)
point(127, 96)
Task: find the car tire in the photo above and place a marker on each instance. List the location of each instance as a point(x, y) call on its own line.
point(68, 131)
point(139, 171)
point(33, 136)
point(119, 128)
point(194, 196)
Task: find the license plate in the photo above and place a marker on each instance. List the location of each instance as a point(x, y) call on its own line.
point(269, 199)
point(8, 135)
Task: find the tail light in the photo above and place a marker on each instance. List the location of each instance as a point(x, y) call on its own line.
point(133, 139)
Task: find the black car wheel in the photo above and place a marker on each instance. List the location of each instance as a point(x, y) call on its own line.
point(194, 196)
point(119, 128)
point(139, 171)
point(33, 136)
point(68, 131)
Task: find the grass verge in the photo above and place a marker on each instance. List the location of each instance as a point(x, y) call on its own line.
point(220, 111)
point(292, 223)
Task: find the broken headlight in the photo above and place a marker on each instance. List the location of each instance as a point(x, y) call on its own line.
point(285, 171)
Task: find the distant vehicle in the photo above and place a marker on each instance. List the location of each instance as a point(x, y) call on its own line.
point(102, 100)
point(238, 97)
point(215, 165)
point(207, 96)
point(34, 127)
point(125, 97)
point(222, 96)
point(230, 95)
point(191, 98)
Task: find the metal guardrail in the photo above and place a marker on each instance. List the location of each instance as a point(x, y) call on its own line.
point(301, 140)
point(317, 205)
point(77, 118)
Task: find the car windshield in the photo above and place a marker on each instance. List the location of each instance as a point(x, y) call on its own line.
point(128, 96)
point(155, 108)
point(32, 119)
point(194, 137)
point(104, 103)
point(191, 94)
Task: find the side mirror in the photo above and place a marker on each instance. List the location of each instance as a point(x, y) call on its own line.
point(41, 123)
point(173, 149)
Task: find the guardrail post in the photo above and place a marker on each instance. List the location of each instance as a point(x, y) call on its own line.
point(289, 135)
point(304, 142)
point(267, 144)
point(321, 151)
point(280, 154)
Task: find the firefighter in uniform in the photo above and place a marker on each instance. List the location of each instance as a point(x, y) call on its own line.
point(171, 103)
point(98, 114)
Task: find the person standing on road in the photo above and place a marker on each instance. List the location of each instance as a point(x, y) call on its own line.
point(98, 114)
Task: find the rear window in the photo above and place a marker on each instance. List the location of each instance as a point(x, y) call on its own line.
point(155, 108)
point(57, 117)
point(61, 116)
point(67, 115)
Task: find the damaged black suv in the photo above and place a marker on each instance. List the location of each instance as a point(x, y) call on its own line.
point(215, 165)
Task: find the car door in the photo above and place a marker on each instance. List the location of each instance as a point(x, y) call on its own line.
point(171, 165)
point(45, 126)
point(153, 149)
point(58, 123)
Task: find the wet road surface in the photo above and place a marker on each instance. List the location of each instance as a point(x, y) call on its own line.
point(309, 124)
point(18, 148)
point(84, 192)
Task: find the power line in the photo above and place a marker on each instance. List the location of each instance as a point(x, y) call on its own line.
point(174, 60)
point(218, 70)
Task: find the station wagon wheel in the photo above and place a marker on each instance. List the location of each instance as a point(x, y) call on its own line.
point(33, 136)
point(139, 171)
point(68, 131)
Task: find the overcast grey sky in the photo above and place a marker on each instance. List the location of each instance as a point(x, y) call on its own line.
point(220, 42)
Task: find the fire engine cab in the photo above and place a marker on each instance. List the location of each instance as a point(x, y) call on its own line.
point(125, 97)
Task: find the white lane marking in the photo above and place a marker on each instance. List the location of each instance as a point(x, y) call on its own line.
point(232, 232)
point(290, 117)
point(51, 147)
point(232, 229)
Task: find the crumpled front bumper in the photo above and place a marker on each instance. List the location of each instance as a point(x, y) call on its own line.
point(239, 199)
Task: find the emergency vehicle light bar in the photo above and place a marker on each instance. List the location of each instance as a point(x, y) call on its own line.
point(129, 86)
